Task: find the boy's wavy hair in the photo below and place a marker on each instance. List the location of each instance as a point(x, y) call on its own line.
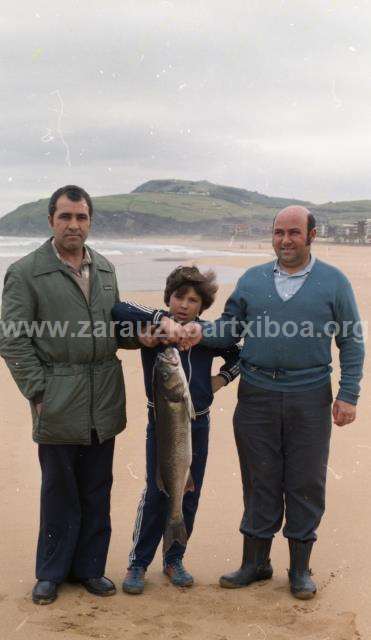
point(182, 278)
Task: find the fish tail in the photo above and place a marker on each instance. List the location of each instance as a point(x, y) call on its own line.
point(175, 531)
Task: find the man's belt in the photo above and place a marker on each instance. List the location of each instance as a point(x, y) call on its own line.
point(277, 372)
point(272, 373)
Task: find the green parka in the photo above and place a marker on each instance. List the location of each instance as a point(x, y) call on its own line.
point(58, 346)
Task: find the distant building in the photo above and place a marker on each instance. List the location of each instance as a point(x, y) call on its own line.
point(350, 232)
point(322, 230)
point(364, 230)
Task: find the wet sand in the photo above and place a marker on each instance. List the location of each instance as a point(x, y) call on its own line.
point(266, 611)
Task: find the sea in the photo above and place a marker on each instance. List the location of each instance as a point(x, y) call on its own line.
point(140, 265)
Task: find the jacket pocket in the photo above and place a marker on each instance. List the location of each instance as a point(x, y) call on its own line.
point(65, 410)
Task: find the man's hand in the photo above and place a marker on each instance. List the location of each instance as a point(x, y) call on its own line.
point(184, 336)
point(147, 339)
point(217, 382)
point(169, 331)
point(343, 413)
point(191, 336)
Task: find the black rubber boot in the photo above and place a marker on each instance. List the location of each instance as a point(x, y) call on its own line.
point(256, 564)
point(301, 584)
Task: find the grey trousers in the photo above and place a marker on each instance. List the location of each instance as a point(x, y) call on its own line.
point(283, 442)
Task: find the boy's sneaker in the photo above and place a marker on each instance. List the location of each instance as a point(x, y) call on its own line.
point(177, 574)
point(134, 580)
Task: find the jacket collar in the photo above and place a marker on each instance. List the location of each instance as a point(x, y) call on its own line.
point(46, 260)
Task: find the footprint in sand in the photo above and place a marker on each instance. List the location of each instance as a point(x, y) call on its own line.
point(333, 575)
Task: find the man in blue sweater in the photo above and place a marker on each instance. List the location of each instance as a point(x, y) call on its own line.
point(287, 311)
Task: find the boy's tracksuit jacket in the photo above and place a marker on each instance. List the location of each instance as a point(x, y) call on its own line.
point(197, 361)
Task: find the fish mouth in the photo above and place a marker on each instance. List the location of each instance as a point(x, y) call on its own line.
point(169, 356)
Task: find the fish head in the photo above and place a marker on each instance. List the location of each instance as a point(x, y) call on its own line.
point(170, 374)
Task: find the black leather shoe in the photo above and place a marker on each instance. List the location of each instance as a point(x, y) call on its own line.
point(301, 584)
point(99, 586)
point(256, 564)
point(44, 592)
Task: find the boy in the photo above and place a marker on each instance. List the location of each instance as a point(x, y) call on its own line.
point(187, 294)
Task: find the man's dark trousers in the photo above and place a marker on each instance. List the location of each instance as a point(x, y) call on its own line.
point(153, 507)
point(283, 445)
point(75, 526)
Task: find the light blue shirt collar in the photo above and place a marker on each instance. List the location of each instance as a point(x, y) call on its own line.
point(302, 272)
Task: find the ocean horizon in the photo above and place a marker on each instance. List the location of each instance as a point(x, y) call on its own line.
point(140, 265)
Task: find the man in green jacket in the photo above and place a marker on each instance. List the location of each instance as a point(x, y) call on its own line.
point(58, 343)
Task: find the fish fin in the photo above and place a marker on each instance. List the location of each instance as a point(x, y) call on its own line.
point(174, 532)
point(190, 485)
point(189, 406)
point(160, 482)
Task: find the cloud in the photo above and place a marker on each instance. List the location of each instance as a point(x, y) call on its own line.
point(264, 95)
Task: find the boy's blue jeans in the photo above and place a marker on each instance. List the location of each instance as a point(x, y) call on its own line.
point(153, 506)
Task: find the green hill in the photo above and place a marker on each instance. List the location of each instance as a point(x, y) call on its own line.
point(241, 197)
point(161, 207)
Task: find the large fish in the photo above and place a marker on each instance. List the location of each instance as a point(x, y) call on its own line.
point(173, 414)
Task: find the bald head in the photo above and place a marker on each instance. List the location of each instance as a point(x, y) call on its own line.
point(296, 214)
point(293, 232)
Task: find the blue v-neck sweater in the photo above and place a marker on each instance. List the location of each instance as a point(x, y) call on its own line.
point(287, 344)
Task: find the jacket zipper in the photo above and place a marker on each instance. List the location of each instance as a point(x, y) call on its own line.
point(91, 369)
point(91, 373)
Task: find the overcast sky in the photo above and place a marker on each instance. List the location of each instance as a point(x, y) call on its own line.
point(270, 95)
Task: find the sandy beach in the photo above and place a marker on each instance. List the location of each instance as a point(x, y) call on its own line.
point(266, 611)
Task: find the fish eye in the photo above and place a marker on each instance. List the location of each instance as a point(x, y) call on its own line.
point(165, 375)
